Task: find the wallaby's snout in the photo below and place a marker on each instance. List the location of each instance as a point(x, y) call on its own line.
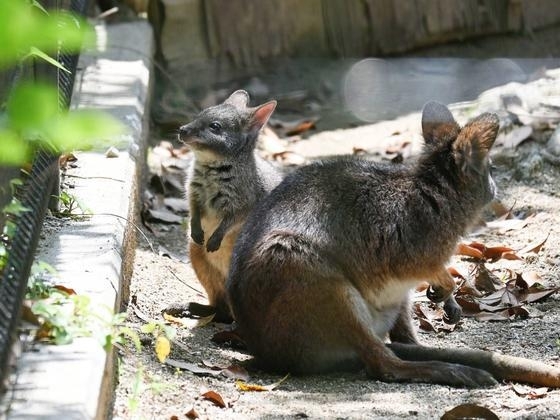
point(185, 132)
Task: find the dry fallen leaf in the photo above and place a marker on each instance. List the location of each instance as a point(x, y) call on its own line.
point(469, 411)
point(301, 127)
point(535, 246)
point(236, 372)
point(192, 414)
point(188, 322)
point(230, 338)
point(163, 348)
point(64, 289)
point(468, 251)
point(529, 392)
point(289, 158)
point(191, 367)
point(215, 398)
point(243, 386)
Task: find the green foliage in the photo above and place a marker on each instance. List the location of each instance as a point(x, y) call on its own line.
point(65, 315)
point(70, 206)
point(25, 25)
point(32, 117)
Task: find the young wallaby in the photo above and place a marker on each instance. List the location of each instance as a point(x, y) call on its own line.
point(322, 270)
point(226, 181)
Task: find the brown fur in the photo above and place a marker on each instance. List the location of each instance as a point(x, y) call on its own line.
point(322, 270)
point(226, 181)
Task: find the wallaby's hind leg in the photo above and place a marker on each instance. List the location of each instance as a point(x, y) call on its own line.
point(501, 366)
point(212, 281)
point(403, 330)
point(382, 364)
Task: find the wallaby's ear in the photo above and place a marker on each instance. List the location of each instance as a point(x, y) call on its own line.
point(238, 99)
point(438, 123)
point(475, 140)
point(261, 114)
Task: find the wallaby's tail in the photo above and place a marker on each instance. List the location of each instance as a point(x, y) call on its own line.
point(500, 366)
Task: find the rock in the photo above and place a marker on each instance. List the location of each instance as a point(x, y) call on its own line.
point(553, 144)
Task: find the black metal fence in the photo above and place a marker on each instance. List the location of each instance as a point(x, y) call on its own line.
point(38, 189)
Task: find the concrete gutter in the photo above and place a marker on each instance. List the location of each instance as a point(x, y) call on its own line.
point(95, 256)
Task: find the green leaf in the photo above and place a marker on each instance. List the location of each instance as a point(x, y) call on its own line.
point(83, 129)
point(23, 26)
point(14, 151)
point(38, 53)
point(38, 5)
point(15, 208)
point(32, 106)
point(148, 328)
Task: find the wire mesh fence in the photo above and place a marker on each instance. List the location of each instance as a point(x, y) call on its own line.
point(36, 192)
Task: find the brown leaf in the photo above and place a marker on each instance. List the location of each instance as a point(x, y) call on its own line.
point(289, 158)
point(500, 210)
point(506, 296)
point(215, 398)
point(469, 251)
point(192, 414)
point(162, 216)
point(243, 386)
point(236, 372)
point(64, 289)
point(231, 338)
point(187, 322)
point(484, 280)
point(530, 278)
point(503, 226)
point(191, 367)
point(215, 366)
point(469, 411)
point(455, 273)
point(529, 392)
point(505, 315)
point(27, 314)
point(397, 148)
point(469, 306)
point(358, 151)
point(65, 159)
point(535, 294)
point(535, 246)
point(301, 127)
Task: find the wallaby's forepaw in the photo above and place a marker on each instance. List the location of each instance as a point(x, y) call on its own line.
point(437, 294)
point(197, 236)
point(213, 243)
point(452, 311)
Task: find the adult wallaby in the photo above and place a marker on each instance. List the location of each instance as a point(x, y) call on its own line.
point(322, 270)
point(227, 179)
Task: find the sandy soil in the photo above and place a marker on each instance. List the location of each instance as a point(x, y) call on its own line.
point(527, 183)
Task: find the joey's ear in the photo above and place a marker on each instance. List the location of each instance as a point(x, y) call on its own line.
point(238, 99)
point(438, 123)
point(261, 114)
point(475, 140)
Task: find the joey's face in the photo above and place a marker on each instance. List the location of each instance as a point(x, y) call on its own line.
point(216, 132)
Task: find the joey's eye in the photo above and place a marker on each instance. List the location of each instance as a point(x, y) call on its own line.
point(215, 126)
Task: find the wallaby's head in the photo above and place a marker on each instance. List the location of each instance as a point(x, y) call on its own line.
point(229, 129)
point(461, 154)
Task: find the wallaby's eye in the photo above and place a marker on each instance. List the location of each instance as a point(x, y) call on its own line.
point(215, 126)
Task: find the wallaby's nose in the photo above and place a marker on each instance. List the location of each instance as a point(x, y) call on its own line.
point(184, 132)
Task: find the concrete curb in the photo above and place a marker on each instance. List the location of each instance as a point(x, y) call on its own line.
point(94, 257)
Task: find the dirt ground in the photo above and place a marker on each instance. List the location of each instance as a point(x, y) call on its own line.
point(527, 182)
